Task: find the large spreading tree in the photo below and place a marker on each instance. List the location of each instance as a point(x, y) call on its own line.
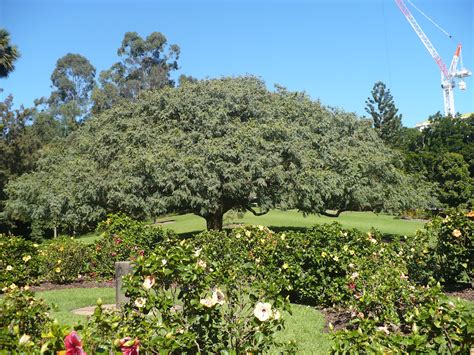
point(210, 146)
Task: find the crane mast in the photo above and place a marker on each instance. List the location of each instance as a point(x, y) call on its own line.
point(447, 75)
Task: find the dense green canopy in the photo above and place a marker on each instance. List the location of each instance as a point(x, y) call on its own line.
point(210, 146)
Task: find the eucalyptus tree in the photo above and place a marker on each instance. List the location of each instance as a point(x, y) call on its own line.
point(146, 64)
point(210, 146)
point(72, 80)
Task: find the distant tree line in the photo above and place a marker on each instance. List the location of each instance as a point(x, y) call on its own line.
point(442, 153)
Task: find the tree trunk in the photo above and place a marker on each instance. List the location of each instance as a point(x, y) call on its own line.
point(214, 221)
point(55, 231)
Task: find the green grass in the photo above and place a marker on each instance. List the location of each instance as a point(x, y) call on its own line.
point(305, 325)
point(278, 220)
point(72, 298)
point(89, 238)
point(284, 220)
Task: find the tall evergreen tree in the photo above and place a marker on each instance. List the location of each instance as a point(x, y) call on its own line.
point(381, 108)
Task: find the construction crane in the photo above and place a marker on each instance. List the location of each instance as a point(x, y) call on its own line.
point(448, 76)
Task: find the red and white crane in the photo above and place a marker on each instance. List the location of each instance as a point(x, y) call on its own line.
point(448, 76)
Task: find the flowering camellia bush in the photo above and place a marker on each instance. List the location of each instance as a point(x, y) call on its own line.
point(19, 262)
point(123, 238)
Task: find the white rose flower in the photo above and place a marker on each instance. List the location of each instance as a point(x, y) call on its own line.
point(263, 311)
point(383, 329)
point(140, 302)
point(218, 297)
point(149, 282)
point(25, 338)
point(207, 302)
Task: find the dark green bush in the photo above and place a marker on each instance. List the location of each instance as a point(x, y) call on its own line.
point(63, 260)
point(123, 238)
point(432, 325)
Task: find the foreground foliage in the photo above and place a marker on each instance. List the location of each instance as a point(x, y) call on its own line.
point(223, 291)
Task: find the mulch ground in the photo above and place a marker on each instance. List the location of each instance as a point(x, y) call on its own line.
point(467, 293)
point(338, 318)
point(48, 286)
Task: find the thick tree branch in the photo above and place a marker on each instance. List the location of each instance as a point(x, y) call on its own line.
point(336, 214)
point(255, 213)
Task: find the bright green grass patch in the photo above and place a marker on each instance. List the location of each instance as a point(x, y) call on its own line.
point(305, 325)
point(281, 220)
point(89, 238)
point(72, 298)
point(363, 221)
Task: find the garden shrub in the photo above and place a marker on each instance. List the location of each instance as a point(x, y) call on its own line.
point(433, 325)
point(454, 250)
point(63, 260)
point(123, 238)
point(19, 262)
point(181, 301)
point(22, 319)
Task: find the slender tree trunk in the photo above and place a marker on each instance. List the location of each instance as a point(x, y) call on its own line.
point(214, 221)
point(55, 231)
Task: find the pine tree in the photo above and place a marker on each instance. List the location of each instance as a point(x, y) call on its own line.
point(381, 107)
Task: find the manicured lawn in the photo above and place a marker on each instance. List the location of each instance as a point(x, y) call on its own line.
point(305, 325)
point(69, 299)
point(281, 220)
point(277, 219)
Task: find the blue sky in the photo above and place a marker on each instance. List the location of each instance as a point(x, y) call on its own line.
point(335, 50)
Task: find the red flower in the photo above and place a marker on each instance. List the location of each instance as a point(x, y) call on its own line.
point(141, 252)
point(117, 241)
point(129, 346)
point(352, 286)
point(113, 253)
point(73, 344)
